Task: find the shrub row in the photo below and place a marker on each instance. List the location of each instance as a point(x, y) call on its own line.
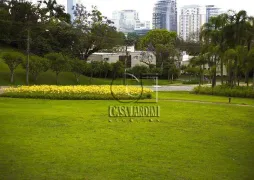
point(78, 92)
point(224, 90)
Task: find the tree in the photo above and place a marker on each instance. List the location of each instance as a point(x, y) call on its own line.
point(147, 58)
point(162, 43)
point(13, 60)
point(212, 35)
point(37, 65)
point(199, 61)
point(95, 33)
point(78, 68)
point(94, 68)
point(139, 69)
point(58, 63)
point(118, 69)
point(251, 63)
point(106, 68)
point(55, 10)
point(134, 39)
point(171, 70)
point(230, 56)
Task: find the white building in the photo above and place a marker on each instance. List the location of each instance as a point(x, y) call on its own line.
point(165, 15)
point(191, 19)
point(135, 58)
point(186, 61)
point(142, 25)
point(128, 20)
point(70, 8)
point(211, 11)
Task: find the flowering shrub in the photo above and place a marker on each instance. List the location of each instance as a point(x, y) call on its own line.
point(77, 92)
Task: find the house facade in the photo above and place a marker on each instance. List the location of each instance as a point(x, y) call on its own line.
point(133, 59)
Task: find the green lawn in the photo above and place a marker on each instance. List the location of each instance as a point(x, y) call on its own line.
point(50, 139)
point(203, 98)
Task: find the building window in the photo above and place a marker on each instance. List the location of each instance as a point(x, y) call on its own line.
point(106, 59)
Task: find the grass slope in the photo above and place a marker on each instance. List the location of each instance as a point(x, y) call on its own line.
point(45, 139)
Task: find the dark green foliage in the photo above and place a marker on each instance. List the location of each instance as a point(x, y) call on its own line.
point(224, 90)
point(58, 63)
point(13, 60)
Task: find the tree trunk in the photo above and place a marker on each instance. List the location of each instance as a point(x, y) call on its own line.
point(57, 78)
point(12, 76)
point(168, 76)
point(247, 78)
point(91, 77)
point(172, 78)
point(77, 79)
point(35, 79)
point(253, 79)
point(200, 75)
point(221, 72)
point(235, 76)
point(106, 74)
point(203, 75)
point(214, 80)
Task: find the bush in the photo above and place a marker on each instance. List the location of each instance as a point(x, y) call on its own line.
point(77, 92)
point(223, 90)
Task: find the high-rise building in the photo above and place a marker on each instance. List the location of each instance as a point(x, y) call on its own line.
point(211, 11)
point(191, 19)
point(70, 10)
point(165, 15)
point(128, 20)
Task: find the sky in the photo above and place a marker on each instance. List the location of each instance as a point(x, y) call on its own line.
point(145, 7)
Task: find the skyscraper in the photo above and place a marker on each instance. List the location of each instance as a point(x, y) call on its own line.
point(128, 20)
point(165, 15)
point(70, 10)
point(211, 11)
point(191, 19)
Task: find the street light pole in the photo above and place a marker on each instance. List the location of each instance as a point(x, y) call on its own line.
point(28, 57)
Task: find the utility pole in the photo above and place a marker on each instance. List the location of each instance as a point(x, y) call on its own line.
point(28, 58)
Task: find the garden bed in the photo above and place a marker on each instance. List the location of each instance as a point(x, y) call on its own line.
point(78, 92)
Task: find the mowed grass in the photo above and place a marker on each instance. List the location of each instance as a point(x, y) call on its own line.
point(187, 96)
point(50, 139)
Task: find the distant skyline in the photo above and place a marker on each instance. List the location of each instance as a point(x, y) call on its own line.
point(145, 7)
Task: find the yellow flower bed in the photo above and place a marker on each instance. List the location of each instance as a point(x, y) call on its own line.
point(78, 92)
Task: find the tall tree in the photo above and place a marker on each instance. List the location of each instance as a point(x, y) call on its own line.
point(95, 33)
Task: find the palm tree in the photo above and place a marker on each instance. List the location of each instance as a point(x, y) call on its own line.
point(230, 57)
point(241, 57)
point(213, 36)
point(251, 62)
point(51, 6)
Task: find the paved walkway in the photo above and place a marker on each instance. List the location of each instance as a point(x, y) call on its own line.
point(173, 88)
point(2, 89)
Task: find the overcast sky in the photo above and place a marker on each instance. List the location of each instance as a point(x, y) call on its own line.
point(145, 7)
